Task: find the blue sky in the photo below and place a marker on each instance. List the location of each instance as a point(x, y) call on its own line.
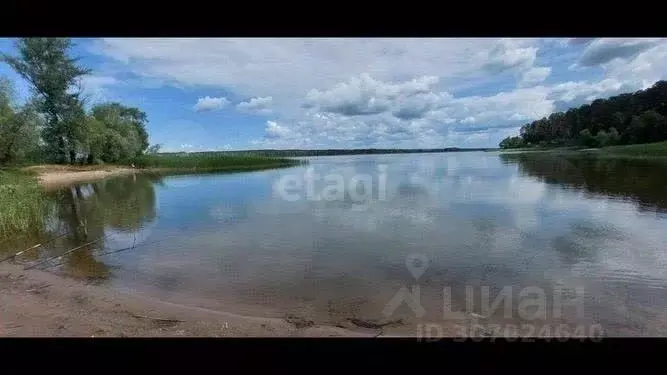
point(217, 94)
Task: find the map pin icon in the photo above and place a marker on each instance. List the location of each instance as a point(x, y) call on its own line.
point(416, 264)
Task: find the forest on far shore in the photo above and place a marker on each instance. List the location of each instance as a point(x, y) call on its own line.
point(630, 118)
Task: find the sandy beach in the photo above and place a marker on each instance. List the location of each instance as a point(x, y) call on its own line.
point(38, 303)
point(55, 176)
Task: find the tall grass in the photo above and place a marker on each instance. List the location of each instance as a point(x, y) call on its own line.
point(645, 149)
point(212, 161)
point(22, 203)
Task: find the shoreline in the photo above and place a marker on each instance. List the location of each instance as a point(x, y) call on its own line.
point(58, 176)
point(39, 303)
point(656, 151)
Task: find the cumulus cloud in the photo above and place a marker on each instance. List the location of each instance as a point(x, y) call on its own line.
point(508, 54)
point(602, 51)
point(392, 92)
point(524, 104)
point(96, 87)
point(208, 103)
point(514, 56)
point(256, 105)
point(364, 95)
point(535, 75)
point(273, 130)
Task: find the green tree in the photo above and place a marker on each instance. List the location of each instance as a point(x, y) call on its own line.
point(637, 117)
point(45, 63)
point(512, 142)
point(116, 133)
point(19, 139)
point(154, 149)
point(95, 139)
point(656, 126)
point(587, 139)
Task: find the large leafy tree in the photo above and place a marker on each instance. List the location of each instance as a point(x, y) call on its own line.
point(45, 63)
point(116, 133)
point(19, 127)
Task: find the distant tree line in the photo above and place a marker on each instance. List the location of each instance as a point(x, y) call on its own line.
point(630, 118)
point(331, 152)
point(54, 125)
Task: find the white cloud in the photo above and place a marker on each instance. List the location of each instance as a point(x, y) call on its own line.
point(365, 95)
point(528, 103)
point(210, 104)
point(643, 70)
point(535, 75)
point(273, 130)
point(605, 50)
point(259, 105)
point(391, 92)
point(508, 54)
point(518, 57)
point(570, 91)
point(95, 88)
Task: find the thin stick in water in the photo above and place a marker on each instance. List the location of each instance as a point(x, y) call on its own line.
point(31, 248)
point(63, 254)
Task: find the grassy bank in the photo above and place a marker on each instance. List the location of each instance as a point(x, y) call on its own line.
point(211, 162)
point(649, 151)
point(22, 202)
point(646, 150)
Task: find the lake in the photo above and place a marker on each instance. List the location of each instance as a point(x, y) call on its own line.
point(349, 236)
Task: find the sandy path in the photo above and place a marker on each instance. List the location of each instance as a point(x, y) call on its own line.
point(38, 303)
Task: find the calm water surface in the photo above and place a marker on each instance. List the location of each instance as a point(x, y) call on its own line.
point(232, 242)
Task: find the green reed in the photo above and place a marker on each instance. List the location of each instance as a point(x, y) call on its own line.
point(212, 161)
point(22, 202)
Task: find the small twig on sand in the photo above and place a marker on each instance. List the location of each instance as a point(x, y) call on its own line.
point(63, 254)
point(163, 320)
point(299, 322)
point(38, 288)
point(373, 325)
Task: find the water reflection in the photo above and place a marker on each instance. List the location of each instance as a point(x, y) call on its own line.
point(231, 242)
point(644, 181)
point(107, 214)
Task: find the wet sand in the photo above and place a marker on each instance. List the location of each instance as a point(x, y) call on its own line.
point(39, 303)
